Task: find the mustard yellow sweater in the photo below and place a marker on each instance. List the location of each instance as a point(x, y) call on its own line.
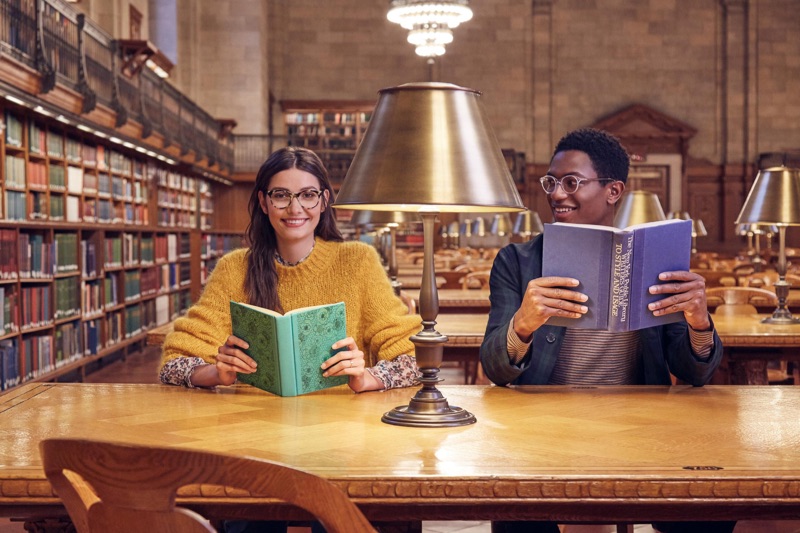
point(335, 271)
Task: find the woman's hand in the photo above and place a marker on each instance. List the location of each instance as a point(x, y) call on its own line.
point(230, 361)
point(350, 362)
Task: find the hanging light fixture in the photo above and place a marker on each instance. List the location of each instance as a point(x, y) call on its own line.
point(430, 23)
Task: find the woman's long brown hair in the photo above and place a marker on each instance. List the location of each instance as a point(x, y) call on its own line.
point(261, 281)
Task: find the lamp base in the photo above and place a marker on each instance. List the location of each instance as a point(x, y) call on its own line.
point(781, 316)
point(428, 409)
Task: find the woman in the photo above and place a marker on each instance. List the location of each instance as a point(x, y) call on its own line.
point(297, 258)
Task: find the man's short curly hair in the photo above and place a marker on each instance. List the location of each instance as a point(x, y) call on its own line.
point(609, 158)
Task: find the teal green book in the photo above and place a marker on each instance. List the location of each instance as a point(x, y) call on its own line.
point(290, 348)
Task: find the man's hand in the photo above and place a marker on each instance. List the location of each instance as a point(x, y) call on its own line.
point(546, 297)
point(688, 292)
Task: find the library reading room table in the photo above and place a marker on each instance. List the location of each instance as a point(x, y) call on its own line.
point(564, 453)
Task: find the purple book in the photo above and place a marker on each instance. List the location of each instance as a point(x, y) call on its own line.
point(615, 268)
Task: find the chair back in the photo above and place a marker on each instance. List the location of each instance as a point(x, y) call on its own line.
point(132, 489)
point(476, 280)
point(739, 300)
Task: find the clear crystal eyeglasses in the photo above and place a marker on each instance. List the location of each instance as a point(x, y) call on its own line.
point(569, 183)
point(281, 198)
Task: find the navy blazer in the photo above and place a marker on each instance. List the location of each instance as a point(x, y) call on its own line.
point(665, 349)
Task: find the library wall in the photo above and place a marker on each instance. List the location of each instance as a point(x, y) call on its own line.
point(547, 67)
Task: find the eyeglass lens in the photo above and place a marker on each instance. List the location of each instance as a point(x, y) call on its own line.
point(569, 183)
point(308, 199)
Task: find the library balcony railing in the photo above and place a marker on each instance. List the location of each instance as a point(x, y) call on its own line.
point(66, 48)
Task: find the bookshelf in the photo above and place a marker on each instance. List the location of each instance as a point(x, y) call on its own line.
point(333, 129)
point(98, 243)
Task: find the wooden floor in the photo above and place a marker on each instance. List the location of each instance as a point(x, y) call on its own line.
point(142, 367)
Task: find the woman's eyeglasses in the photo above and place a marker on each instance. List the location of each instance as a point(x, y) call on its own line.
point(569, 183)
point(281, 198)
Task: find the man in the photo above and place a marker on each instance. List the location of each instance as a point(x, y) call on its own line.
point(586, 179)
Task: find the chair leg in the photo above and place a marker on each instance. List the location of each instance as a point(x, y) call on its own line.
point(624, 528)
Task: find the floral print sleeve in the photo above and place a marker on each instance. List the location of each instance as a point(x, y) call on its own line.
point(178, 371)
point(399, 372)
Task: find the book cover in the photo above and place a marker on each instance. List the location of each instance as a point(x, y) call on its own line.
point(290, 348)
point(615, 268)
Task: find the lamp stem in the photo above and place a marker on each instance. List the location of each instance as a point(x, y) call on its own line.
point(396, 285)
point(428, 407)
point(428, 295)
point(758, 261)
point(782, 315)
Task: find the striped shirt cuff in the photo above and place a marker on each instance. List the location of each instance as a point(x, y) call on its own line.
point(517, 348)
point(702, 342)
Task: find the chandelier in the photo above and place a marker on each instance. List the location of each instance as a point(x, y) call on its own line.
point(429, 23)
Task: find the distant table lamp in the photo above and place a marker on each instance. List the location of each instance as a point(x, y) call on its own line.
point(390, 220)
point(698, 228)
point(429, 149)
point(527, 225)
point(479, 231)
point(500, 229)
point(454, 232)
point(754, 233)
point(637, 207)
point(774, 198)
point(466, 232)
point(501, 225)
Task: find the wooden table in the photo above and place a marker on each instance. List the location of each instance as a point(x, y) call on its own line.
point(457, 300)
point(749, 344)
point(414, 282)
point(561, 453)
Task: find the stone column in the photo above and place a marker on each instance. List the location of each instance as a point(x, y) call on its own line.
point(734, 106)
point(541, 80)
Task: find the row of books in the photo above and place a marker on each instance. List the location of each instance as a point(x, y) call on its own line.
point(29, 255)
point(36, 306)
point(9, 311)
point(53, 143)
point(34, 206)
point(33, 356)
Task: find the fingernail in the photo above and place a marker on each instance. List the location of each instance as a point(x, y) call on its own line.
point(584, 309)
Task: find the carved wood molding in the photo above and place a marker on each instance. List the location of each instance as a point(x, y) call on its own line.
point(768, 491)
point(643, 129)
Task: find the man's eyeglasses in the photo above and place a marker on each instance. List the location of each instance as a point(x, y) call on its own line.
point(281, 198)
point(569, 183)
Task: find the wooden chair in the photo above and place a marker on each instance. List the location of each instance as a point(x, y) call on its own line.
point(738, 300)
point(768, 279)
point(716, 278)
point(476, 280)
point(131, 489)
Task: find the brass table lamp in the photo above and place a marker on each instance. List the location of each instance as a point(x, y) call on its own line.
point(637, 207)
point(527, 225)
point(429, 149)
point(698, 228)
point(774, 198)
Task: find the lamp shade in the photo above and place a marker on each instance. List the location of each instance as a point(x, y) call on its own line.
point(382, 218)
point(527, 224)
point(429, 147)
point(638, 207)
point(774, 198)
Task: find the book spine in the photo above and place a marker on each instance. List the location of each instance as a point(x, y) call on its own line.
point(619, 310)
point(286, 349)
